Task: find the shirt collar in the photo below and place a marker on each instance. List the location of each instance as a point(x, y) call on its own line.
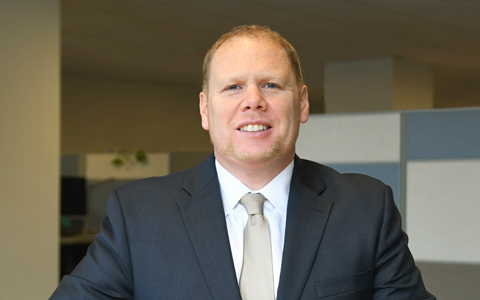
point(276, 191)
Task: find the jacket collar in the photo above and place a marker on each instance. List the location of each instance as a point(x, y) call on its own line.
point(307, 216)
point(204, 220)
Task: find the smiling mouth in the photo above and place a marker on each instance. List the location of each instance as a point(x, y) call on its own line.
point(254, 127)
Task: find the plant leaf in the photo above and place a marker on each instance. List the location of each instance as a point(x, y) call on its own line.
point(141, 156)
point(117, 161)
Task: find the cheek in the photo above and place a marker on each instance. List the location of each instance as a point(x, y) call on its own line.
point(222, 114)
point(293, 112)
point(216, 121)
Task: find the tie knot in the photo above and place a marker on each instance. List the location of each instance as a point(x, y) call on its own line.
point(253, 203)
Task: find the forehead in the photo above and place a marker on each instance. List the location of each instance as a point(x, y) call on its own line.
point(245, 51)
point(244, 41)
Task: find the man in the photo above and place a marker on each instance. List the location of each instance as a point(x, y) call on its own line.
point(317, 234)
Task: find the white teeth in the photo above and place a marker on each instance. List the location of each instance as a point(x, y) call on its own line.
point(251, 127)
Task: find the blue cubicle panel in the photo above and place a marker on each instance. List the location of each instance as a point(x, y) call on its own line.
point(444, 134)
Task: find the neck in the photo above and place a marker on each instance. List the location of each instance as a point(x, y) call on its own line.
point(255, 175)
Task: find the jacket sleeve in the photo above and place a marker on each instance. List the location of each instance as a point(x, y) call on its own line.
point(396, 276)
point(106, 271)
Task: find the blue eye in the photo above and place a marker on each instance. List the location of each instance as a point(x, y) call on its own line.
point(233, 87)
point(270, 85)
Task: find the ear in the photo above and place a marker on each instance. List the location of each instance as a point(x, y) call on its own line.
point(204, 110)
point(304, 104)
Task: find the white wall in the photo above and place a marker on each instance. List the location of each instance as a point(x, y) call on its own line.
point(379, 84)
point(29, 151)
point(412, 85)
point(457, 91)
point(98, 167)
point(359, 85)
point(110, 115)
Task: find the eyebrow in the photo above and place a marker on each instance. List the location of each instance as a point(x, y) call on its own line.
point(264, 77)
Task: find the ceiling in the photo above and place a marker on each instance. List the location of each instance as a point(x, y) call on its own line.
point(166, 40)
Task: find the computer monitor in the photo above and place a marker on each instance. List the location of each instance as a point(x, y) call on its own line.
point(74, 205)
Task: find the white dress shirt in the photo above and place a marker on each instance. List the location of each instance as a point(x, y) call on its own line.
point(275, 210)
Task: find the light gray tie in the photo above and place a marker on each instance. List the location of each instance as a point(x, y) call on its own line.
point(256, 279)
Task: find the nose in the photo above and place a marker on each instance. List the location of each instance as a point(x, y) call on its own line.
point(253, 99)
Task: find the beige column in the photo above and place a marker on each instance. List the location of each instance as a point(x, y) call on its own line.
point(29, 148)
point(377, 85)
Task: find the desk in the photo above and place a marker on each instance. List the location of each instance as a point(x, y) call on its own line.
point(77, 239)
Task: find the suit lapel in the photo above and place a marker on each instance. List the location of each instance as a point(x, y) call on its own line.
point(307, 217)
point(204, 220)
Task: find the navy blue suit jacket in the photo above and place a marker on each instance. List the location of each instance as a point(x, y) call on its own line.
point(166, 238)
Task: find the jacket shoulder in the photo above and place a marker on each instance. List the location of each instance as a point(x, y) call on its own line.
point(332, 177)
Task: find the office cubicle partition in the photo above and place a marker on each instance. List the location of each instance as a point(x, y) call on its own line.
point(431, 159)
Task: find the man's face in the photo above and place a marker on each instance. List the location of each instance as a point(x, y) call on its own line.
point(254, 105)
